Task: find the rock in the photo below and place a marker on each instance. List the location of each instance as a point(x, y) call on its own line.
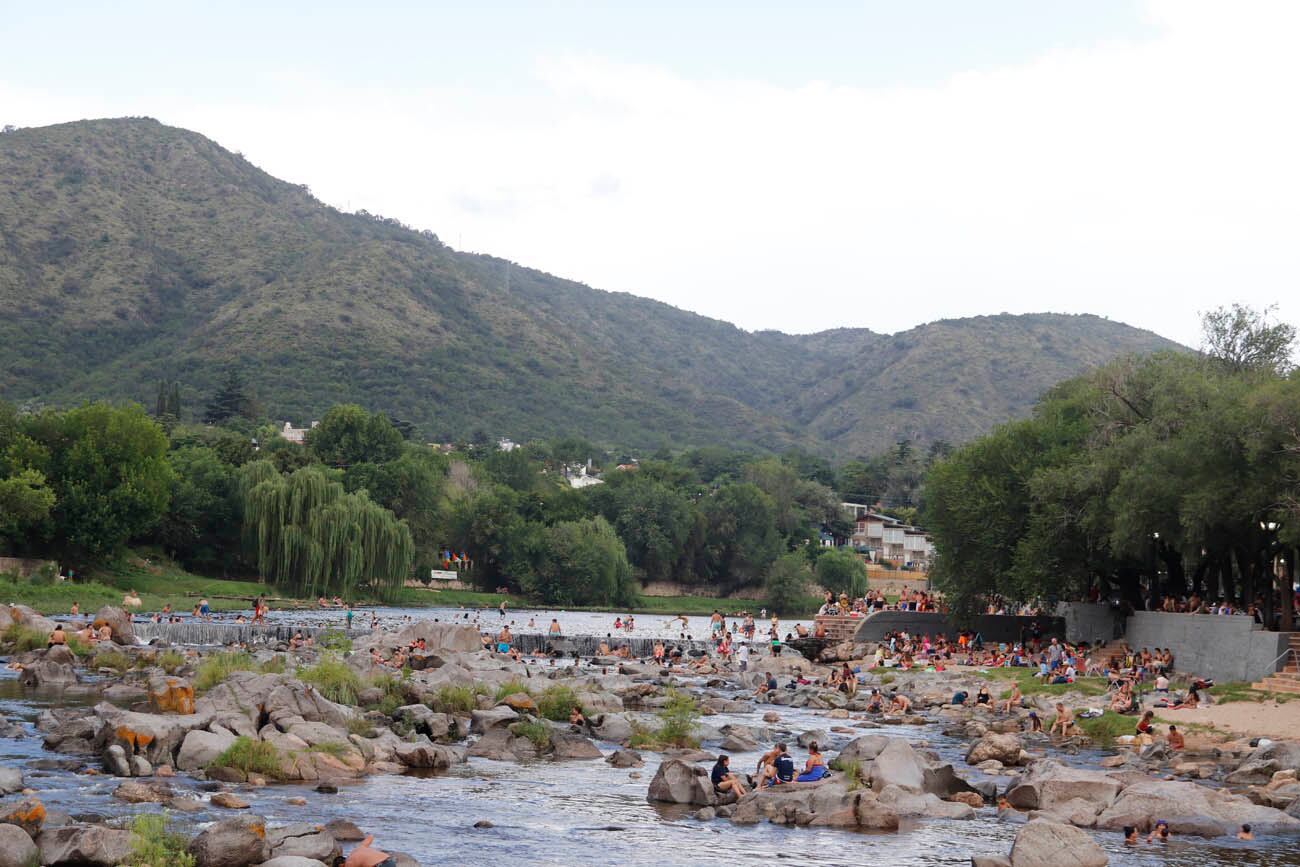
point(706, 814)
point(401, 859)
point(1260, 766)
point(154, 736)
point(1192, 809)
point(864, 749)
point(990, 861)
point(970, 799)
point(440, 639)
point(520, 702)
point(922, 805)
point(1079, 812)
point(344, 830)
point(1004, 748)
point(1114, 761)
point(1041, 843)
point(28, 814)
point(483, 721)
point(424, 720)
point(229, 801)
point(898, 765)
point(16, 848)
point(571, 746)
point(771, 717)
point(292, 861)
point(429, 755)
point(735, 743)
point(612, 727)
point(53, 669)
point(677, 782)
point(625, 759)
point(816, 736)
point(236, 842)
point(115, 761)
point(327, 789)
point(303, 841)
point(117, 620)
point(201, 748)
point(1047, 783)
point(136, 792)
point(171, 695)
point(84, 845)
point(483, 823)
point(11, 780)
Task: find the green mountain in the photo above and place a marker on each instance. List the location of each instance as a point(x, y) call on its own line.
point(132, 251)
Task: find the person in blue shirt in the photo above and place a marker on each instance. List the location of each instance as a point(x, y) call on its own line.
point(776, 766)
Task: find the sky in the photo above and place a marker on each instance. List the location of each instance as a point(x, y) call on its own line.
point(797, 166)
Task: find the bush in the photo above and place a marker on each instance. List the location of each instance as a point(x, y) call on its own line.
point(1104, 729)
point(170, 661)
point(785, 583)
point(333, 679)
point(510, 687)
point(20, 639)
point(678, 719)
point(45, 576)
point(251, 757)
point(557, 702)
point(852, 771)
point(112, 659)
point(217, 668)
point(535, 730)
point(152, 845)
point(80, 649)
point(275, 665)
point(642, 738)
point(361, 727)
point(334, 639)
point(455, 699)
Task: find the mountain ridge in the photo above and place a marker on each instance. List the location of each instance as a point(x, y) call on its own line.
point(131, 251)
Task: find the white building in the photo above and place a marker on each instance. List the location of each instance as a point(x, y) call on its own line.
point(296, 434)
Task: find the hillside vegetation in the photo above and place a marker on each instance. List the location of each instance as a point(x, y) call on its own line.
point(132, 252)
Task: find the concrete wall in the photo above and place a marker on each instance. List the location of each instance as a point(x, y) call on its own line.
point(1093, 623)
point(1205, 645)
point(993, 627)
point(23, 567)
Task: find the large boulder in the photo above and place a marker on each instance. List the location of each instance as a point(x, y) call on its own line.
point(236, 842)
point(429, 755)
point(117, 620)
point(864, 749)
point(421, 718)
point(1004, 748)
point(171, 694)
point(1042, 843)
point(827, 803)
point(201, 748)
point(292, 702)
point(898, 765)
point(86, 845)
point(914, 805)
point(482, 721)
point(440, 639)
point(613, 727)
point(154, 736)
point(303, 841)
point(53, 669)
point(1192, 809)
point(11, 780)
point(571, 746)
point(28, 814)
point(29, 617)
point(16, 848)
point(677, 782)
point(1260, 766)
point(1047, 783)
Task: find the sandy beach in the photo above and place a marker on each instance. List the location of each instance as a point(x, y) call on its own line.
point(1266, 718)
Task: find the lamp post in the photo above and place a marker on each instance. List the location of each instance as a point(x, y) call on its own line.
point(1277, 582)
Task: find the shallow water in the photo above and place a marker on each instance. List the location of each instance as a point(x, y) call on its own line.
point(588, 812)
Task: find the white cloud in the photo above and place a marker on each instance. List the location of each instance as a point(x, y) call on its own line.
point(1144, 181)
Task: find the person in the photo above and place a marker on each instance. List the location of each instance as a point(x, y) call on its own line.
point(503, 640)
point(815, 768)
point(899, 703)
point(1130, 835)
point(1176, 741)
point(555, 626)
point(366, 855)
point(769, 685)
point(349, 616)
point(1013, 699)
point(58, 636)
point(1192, 700)
point(959, 697)
point(1035, 724)
point(1245, 833)
point(875, 703)
point(723, 779)
point(742, 655)
point(778, 769)
point(1161, 831)
point(1064, 720)
point(983, 698)
point(1144, 725)
point(575, 717)
point(75, 610)
point(1162, 684)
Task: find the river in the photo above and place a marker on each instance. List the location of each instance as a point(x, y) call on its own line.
point(589, 812)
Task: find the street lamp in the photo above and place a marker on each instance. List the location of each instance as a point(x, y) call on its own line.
point(1269, 526)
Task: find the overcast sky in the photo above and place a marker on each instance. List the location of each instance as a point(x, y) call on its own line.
point(798, 166)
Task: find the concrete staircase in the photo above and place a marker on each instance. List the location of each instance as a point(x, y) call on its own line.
point(1288, 679)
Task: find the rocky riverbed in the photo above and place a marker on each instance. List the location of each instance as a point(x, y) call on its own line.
point(437, 778)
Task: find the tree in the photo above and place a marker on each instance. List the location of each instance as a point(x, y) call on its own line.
point(653, 521)
point(741, 537)
point(347, 435)
point(411, 487)
point(787, 583)
point(583, 563)
point(312, 538)
point(1242, 338)
point(231, 400)
point(25, 502)
point(842, 571)
point(201, 525)
point(109, 473)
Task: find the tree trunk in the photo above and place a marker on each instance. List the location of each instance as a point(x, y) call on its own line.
point(1286, 586)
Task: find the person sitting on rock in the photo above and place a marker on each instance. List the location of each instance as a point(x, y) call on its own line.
point(1034, 723)
point(1144, 725)
point(899, 703)
point(575, 716)
point(983, 699)
point(366, 855)
point(58, 636)
point(1012, 700)
point(724, 780)
point(775, 766)
point(815, 768)
point(1064, 721)
point(1175, 739)
point(876, 703)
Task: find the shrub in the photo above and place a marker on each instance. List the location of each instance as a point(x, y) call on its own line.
point(80, 649)
point(852, 771)
point(557, 702)
point(642, 738)
point(360, 726)
point(274, 665)
point(335, 640)
point(453, 699)
point(333, 679)
point(329, 748)
point(510, 687)
point(1104, 729)
point(20, 639)
point(251, 757)
point(152, 845)
point(677, 720)
point(171, 661)
point(535, 730)
point(112, 659)
point(218, 667)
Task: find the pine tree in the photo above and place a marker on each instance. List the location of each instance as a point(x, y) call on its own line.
point(231, 400)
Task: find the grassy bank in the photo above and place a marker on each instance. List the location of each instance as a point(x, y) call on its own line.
point(1031, 685)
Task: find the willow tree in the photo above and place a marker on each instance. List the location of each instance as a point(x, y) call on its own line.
point(311, 538)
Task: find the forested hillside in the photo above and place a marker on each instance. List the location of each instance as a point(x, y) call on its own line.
point(132, 252)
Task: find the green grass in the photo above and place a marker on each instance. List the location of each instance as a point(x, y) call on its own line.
point(251, 757)
point(456, 699)
point(330, 748)
point(677, 721)
point(557, 702)
point(333, 679)
point(1030, 685)
point(216, 668)
point(170, 661)
point(20, 639)
point(112, 659)
point(335, 640)
point(535, 730)
point(1225, 693)
point(852, 771)
point(1103, 730)
point(361, 727)
point(80, 649)
point(153, 845)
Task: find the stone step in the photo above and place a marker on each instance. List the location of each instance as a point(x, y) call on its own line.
point(1273, 684)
